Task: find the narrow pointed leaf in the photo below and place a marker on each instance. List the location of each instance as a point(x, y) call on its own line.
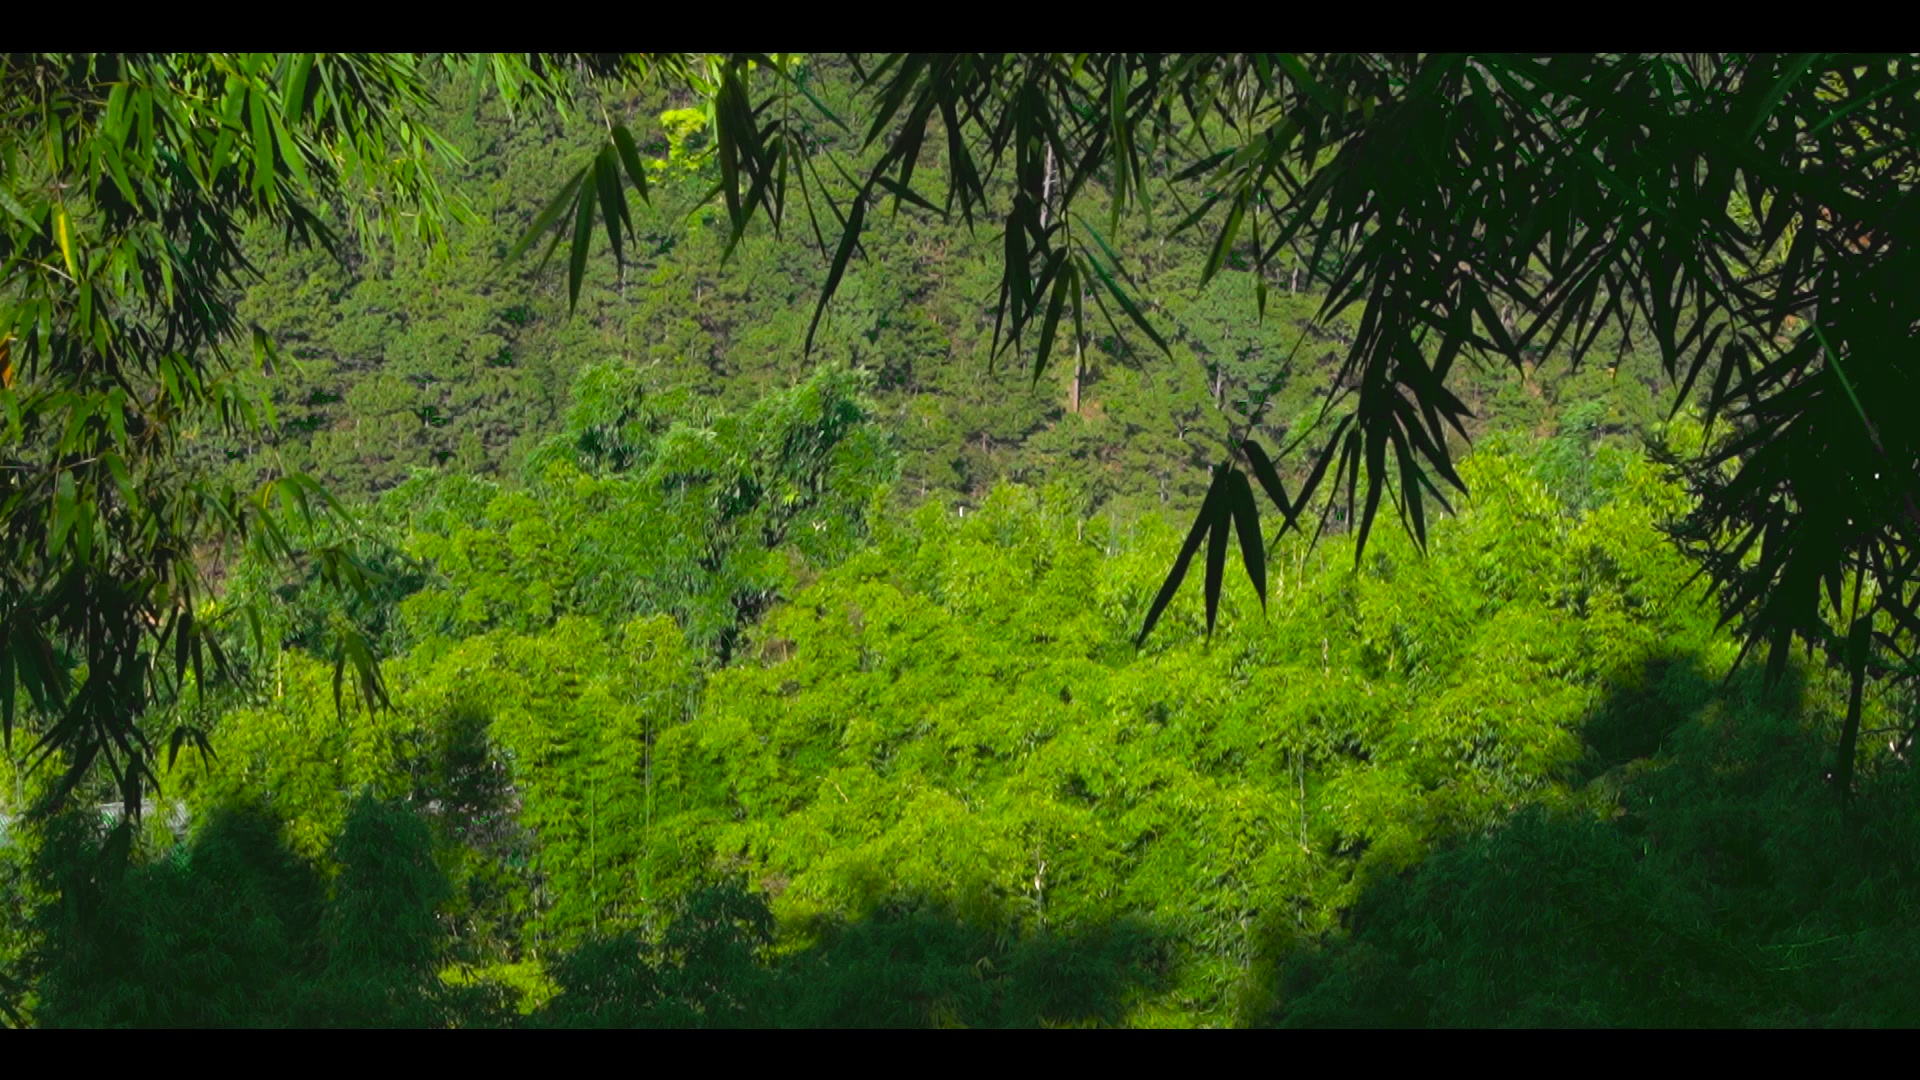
point(182, 643)
point(1246, 521)
point(1777, 91)
point(1127, 305)
point(1223, 243)
point(613, 204)
point(1319, 470)
point(630, 159)
point(64, 234)
point(1062, 281)
point(907, 194)
point(6, 694)
point(339, 679)
point(1201, 521)
point(849, 237)
point(1376, 486)
point(174, 741)
point(1218, 527)
point(582, 239)
point(1268, 476)
point(561, 204)
point(296, 90)
point(262, 143)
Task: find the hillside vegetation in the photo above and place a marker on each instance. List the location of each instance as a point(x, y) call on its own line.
point(726, 684)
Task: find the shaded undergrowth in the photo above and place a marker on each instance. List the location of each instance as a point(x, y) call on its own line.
point(1723, 890)
point(235, 929)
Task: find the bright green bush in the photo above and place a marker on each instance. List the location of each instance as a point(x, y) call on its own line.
point(1491, 783)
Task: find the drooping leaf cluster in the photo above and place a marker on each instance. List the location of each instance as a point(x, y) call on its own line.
point(127, 181)
point(1489, 204)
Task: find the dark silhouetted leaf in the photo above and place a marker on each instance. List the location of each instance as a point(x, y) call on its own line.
point(1269, 478)
point(1218, 527)
point(1126, 303)
point(549, 215)
point(1246, 520)
point(1064, 279)
point(1216, 495)
point(849, 237)
point(582, 240)
point(613, 204)
point(630, 159)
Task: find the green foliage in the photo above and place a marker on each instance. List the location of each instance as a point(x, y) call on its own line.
point(627, 514)
point(529, 753)
point(1325, 165)
point(1721, 892)
point(1494, 784)
point(907, 966)
point(705, 971)
point(652, 614)
point(958, 716)
point(1496, 205)
point(236, 929)
point(127, 182)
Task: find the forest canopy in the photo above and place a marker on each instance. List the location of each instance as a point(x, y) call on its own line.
point(765, 587)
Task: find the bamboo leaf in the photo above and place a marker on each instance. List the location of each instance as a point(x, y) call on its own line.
point(64, 232)
point(295, 104)
point(6, 691)
point(1223, 243)
point(1268, 476)
point(1779, 90)
point(290, 150)
point(182, 643)
point(64, 509)
point(1246, 520)
point(1063, 280)
point(1218, 527)
point(630, 159)
point(1201, 522)
point(613, 205)
point(1376, 485)
point(12, 206)
point(849, 237)
point(582, 240)
point(549, 215)
point(174, 742)
point(262, 144)
point(894, 188)
point(1127, 305)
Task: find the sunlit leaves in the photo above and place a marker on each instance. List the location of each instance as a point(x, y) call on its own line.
point(642, 507)
point(1503, 205)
